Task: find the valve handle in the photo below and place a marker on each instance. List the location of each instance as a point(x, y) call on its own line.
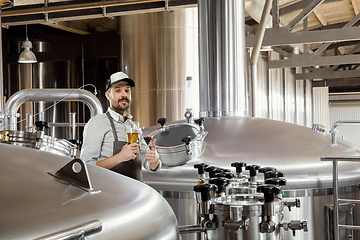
point(225, 175)
point(220, 183)
point(162, 121)
point(273, 174)
point(41, 125)
point(201, 167)
point(238, 166)
point(252, 169)
point(186, 140)
point(148, 139)
point(269, 191)
point(205, 190)
point(276, 181)
point(210, 170)
point(266, 169)
point(199, 121)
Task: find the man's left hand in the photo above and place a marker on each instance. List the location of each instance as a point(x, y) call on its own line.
point(152, 156)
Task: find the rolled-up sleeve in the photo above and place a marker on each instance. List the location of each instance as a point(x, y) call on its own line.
point(92, 142)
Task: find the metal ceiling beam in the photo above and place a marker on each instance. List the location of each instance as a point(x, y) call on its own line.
point(348, 25)
point(286, 38)
point(324, 73)
point(307, 10)
point(31, 14)
point(305, 60)
point(299, 5)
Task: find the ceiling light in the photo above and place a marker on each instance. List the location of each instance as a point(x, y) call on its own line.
point(27, 56)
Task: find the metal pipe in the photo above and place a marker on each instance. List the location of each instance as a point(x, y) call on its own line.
point(1, 73)
point(25, 95)
point(260, 33)
point(73, 7)
point(190, 229)
point(72, 125)
point(255, 56)
point(222, 67)
point(77, 232)
point(335, 199)
point(29, 123)
point(335, 125)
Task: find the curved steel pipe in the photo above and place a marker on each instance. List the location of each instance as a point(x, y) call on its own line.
point(336, 124)
point(70, 94)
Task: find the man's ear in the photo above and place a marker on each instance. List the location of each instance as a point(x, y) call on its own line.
point(107, 95)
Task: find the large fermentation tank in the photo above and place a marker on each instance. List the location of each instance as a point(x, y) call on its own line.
point(293, 149)
point(37, 205)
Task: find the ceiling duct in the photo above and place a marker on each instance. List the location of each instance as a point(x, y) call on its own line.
point(222, 58)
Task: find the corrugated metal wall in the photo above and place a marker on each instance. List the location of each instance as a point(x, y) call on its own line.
point(346, 107)
point(321, 106)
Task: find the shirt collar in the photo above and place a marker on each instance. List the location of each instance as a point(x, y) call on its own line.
point(116, 116)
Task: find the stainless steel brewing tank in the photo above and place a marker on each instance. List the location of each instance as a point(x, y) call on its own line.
point(36, 204)
point(293, 149)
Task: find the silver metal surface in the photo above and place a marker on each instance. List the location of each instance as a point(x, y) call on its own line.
point(77, 232)
point(127, 209)
point(292, 149)
point(25, 95)
point(172, 150)
point(161, 64)
point(222, 58)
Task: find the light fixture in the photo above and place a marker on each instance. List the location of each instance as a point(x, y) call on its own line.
point(27, 56)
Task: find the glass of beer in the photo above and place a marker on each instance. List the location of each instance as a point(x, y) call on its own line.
point(132, 132)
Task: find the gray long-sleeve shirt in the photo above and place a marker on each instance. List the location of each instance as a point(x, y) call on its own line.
point(98, 139)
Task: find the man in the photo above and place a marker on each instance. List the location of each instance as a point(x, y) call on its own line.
point(104, 137)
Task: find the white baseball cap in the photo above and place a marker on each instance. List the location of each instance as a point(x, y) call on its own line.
point(120, 76)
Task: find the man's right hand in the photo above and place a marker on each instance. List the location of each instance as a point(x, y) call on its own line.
point(129, 151)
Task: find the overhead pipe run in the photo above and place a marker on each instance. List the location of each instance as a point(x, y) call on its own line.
point(20, 97)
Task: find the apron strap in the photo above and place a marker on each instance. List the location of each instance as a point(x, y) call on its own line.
point(112, 126)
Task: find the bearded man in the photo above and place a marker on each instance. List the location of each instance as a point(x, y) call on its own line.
point(104, 138)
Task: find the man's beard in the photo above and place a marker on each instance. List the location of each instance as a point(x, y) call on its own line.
point(119, 108)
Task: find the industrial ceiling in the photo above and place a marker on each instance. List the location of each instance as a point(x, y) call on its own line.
point(325, 31)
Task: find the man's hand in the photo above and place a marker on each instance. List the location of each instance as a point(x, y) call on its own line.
point(129, 151)
point(152, 156)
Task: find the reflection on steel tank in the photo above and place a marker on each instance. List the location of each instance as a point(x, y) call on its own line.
point(294, 150)
point(46, 196)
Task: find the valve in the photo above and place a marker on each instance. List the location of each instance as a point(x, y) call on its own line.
point(293, 203)
point(276, 181)
point(205, 190)
point(227, 175)
point(189, 115)
point(269, 191)
point(201, 171)
point(295, 225)
point(210, 170)
point(199, 121)
point(239, 166)
point(264, 170)
point(187, 141)
point(162, 121)
point(273, 174)
point(220, 183)
point(252, 169)
point(201, 168)
point(41, 125)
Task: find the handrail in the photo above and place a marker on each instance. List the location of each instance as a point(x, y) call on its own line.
point(336, 199)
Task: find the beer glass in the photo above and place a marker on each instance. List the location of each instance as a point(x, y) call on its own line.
point(132, 132)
